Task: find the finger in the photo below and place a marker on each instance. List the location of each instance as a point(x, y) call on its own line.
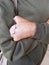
point(18, 19)
point(16, 39)
point(14, 33)
point(12, 30)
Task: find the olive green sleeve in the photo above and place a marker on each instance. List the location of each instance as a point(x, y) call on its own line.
point(42, 32)
point(12, 50)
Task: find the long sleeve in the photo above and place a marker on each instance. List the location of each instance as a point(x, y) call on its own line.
point(35, 11)
point(42, 32)
point(12, 50)
point(6, 43)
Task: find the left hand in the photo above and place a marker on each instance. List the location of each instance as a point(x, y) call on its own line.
point(22, 29)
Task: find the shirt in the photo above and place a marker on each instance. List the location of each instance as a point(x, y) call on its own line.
point(33, 48)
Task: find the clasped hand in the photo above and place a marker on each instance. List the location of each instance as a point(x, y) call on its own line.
point(22, 29)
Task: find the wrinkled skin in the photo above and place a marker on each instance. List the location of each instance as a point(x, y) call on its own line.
point(22, 29)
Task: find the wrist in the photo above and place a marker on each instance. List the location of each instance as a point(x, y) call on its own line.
point(33, 29)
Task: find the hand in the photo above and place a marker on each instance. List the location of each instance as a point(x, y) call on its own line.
point(48, 21)
point(22, 29)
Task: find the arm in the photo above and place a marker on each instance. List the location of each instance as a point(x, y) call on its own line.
point(42, 32)
point(6, 43)
point(25, 28)
point(39, 33)
point(12, 50)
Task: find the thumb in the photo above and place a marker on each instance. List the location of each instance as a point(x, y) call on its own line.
point(17, 19)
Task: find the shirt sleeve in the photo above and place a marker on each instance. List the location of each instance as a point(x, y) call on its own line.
point(6, 43)
point(42, 32)
point(12, 50)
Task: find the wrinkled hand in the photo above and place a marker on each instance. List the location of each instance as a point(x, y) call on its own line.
point(22, 29)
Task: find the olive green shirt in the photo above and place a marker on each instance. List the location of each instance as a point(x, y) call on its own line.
point(28, 51)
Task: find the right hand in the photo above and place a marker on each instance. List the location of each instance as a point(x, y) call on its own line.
point(48, 21)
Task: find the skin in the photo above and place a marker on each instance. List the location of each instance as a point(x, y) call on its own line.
point(22, 29)
point(48, 21)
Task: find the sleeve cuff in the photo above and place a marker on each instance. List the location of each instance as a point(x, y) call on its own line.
point(40, 31)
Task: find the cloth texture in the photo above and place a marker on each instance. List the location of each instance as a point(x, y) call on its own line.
point(33, 48)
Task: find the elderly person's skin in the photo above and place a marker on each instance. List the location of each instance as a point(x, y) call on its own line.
point(22, 29)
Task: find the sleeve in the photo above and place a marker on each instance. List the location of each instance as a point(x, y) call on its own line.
point(12, 50)
point(42, 32)
point(6, 43)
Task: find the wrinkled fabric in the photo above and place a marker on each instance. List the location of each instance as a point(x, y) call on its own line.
point(30, 50)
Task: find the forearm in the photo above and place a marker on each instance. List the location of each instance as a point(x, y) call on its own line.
point(42, 32)
point(11, 49)
point(33, 29)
